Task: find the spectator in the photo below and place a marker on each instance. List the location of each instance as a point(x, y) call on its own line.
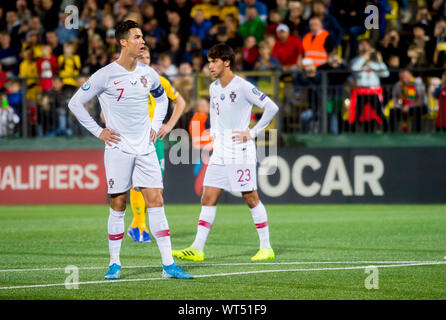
point(184, 83)
point(224, 32)
point(110, 42)
point(329, 22)
point(23, 13)
point(282, 9)
point(28, 71)
point(229, 8)
point(193, 46)
point(65, 34)
point(307, 9)
point(294, 19)
point(270, 40)
point(336, 78)
point(253, 25)
point(366, 103)
point(262, 10)
point(13, 28)
point(36, 26)
point(32, 41)
point(9, 57)
point(317, 43)
point(424, 18)
point(391, 46)
point(69, 67)
point(166, 67)
point(408, 101)
point(274, 21)
point(309, 80)
point(440, 94)
point(47, 68)
point(439, 56)
point(211, 11)
point(14, 96)
point(265, 61)
point(197, 61)
point(200, 120)
point(287, 49)
point(200, 26)
point(53, 41)
point(49, 15)
point(97, 57)
point(250, 53)
point(54, 104)
point(8, 119)
point(175, 50)
point(3, 79)
point(422, 41)
point(350, 14)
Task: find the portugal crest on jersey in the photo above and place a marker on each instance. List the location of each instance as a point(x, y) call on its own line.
point(232, 96)
point(143, 81)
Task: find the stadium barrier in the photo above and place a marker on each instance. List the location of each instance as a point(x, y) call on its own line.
point(308, 105)
point(293, 175)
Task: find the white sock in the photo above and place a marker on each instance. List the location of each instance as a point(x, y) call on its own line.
point(207, 217)
point(261, 221)
point(160, 230)
point(115, 234)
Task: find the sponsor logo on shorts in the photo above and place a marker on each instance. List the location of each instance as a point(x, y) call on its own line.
point(111, 182)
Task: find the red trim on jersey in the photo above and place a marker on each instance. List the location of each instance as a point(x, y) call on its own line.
point(162, 233)
point(261, 225)
point(204, 224)
point(115, 236)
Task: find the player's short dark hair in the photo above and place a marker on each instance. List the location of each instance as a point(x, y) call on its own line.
point(222, 51)
point(122, 30)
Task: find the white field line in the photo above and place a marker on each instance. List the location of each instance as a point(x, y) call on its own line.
point(222, 264)
point(225, 275)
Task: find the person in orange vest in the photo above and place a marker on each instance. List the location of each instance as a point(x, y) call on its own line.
point(318, 43)
point(201, 139)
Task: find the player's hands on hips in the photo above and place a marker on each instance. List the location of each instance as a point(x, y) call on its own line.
point(165, 130)
point(240, 136)
point(153, 135)
point(109, 137)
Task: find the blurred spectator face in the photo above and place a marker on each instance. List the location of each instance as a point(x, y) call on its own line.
point(394, 62)
point(199, 17)
point(282, 32)
point(440, 28)
point(14, 86)
point(35, 23)
point(270, 40)
point(250, 2)
point(292, 5)
point(185, 69)
point(405, 77)
point(318, 9)
point(108, 22)
point(46, 52)
point(68, 49)
point(174, 40)
point(165, 61)
point(364, 47)
point(229, 2)
point(315, 25)
point(28, 54)
point(21, 5)
point(264, 50)
point(334, 60)
point(32, 38)
point(423, 15)
point(230, 23)
point(47, 4)
point(5, 40)
point(148, 11)
point(52, 38)
point(274, 16)
point(57, 84)
point(11, 17)
point(174, 18)
point(203, 106)
point(419, 33)
point(250, 42)
point(145, 58)
point(251, 13)
point(281, 3)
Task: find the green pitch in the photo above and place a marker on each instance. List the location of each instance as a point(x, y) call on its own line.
point(321, 253)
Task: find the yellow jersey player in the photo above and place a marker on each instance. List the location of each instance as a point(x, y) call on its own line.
point(138, 230)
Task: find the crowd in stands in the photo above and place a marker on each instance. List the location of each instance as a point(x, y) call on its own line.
point(56, 48)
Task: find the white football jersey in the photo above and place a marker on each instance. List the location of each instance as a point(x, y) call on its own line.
point(231, 108)
point(123, 96)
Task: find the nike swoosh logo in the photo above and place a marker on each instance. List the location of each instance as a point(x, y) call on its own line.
point(116, 82)
point(242, 185)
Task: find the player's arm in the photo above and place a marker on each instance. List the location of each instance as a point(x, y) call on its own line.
point(84, 94)
point(158, 93)
point(179, 106)
point(270, 109)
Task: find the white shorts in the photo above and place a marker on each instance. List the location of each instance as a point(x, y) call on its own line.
point(231, 177)
point(124, 170)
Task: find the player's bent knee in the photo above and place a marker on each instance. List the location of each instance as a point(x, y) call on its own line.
point(118, 201)
point(251, 199)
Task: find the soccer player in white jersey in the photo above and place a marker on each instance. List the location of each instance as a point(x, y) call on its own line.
point(232, 166)
point(123, 88)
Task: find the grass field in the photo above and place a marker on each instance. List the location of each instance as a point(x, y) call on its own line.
point(321, 253)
